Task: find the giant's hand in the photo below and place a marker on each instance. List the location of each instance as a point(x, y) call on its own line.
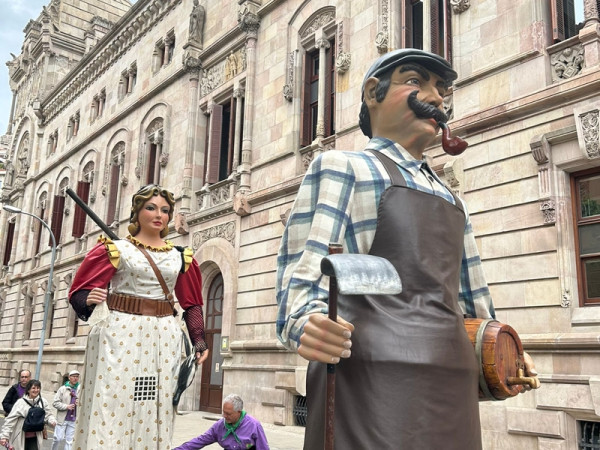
point(325, 340)
point(96, 296)
point(530, 371)
point(201, 357)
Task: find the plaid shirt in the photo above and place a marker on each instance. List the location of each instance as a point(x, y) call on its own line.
point(337, 202)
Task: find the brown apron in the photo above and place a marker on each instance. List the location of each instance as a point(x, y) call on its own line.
point(411, 382)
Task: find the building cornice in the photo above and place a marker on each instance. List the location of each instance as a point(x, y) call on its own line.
point(127, 31)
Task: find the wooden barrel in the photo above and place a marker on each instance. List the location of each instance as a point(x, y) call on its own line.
point(500, 354)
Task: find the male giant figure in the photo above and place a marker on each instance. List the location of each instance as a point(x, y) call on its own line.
point(407, 376)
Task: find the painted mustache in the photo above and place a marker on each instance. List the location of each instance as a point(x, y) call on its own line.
point(451, 145)
point(425, 110)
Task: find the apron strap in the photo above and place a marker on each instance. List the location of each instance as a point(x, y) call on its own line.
point(398, 180)
point(391, 168)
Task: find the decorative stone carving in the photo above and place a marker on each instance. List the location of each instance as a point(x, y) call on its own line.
point(567, 63)
point(225, 231)
point(240, 204)
point(192, 64)
point(383, 36)
point(548, 209)
point(197, 19)
point(565, 300)
point(285, 216)
point(342, 63)
point(318, 22)
point(460, 6)
point(181, 225)
point(307, 158)
point(248, 21)
point(591, 133)
point(288, 88)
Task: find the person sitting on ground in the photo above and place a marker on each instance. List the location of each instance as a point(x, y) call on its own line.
point(16, 391)
point(236, 430)
point(12, 431)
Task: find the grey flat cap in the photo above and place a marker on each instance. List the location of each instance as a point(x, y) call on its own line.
point(430, 61)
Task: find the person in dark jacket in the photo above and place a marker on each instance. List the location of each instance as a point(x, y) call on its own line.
point(16, 391)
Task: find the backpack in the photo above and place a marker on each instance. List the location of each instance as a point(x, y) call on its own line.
point(34, 420)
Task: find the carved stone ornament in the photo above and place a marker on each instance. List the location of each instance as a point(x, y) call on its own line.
point(240, 204)
point(342, 63)
point(565, 300)
point(591, 133)
point(307, 159)
point(381, 41)
point(548, 209)
point(288, 92)
point(460, 6)
point(163, 160)
point(248, 21)
point(567, 63)
point(192, 64)
point(318, 22)
point(225, 231)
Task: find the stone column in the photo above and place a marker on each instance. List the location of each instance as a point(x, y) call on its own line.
point(322, 44)
point(239, 95)
point(249, 22)
point(192, 65)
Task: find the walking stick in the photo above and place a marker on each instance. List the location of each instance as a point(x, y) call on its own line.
point(330, 405)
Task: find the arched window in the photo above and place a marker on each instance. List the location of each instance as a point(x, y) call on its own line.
point(115, 173)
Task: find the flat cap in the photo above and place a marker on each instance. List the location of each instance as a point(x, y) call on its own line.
point(430, 61)
point(73, 372)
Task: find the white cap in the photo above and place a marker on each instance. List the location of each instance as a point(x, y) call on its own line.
point(73, 372)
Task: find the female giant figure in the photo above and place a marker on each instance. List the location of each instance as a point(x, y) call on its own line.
point(135, 343)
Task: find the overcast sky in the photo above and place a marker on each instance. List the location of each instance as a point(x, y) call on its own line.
point(14, 15)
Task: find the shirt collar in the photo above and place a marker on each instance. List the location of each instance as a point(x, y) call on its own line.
point(398, 154)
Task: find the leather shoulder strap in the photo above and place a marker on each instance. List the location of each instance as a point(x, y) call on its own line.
point(161, 280)
point(391, 168)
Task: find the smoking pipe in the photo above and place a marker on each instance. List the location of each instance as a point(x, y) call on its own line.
point(452, 145)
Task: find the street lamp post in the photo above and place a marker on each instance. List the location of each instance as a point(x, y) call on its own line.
point(15, 210)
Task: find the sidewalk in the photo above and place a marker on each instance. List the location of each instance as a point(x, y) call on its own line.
point(193, 423)
point(189, 424)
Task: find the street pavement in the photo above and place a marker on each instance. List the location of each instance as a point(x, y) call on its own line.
point(189, 424)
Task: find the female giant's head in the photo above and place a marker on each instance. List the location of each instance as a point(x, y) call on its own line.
point(140, 198)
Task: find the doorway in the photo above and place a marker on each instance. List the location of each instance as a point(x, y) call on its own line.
point(211, 385)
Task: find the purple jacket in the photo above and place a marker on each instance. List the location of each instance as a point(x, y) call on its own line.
point(250, 432)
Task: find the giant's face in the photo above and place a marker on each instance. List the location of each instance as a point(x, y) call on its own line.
point(393, 118)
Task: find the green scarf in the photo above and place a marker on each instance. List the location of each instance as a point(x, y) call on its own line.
point(71, 386)
point(231, 428)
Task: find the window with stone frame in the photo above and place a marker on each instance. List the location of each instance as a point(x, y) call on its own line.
point(37, 226)
point(98, 104)
point(428, 29)
point(319, 75)
point(83, 192)
point(114, 175)
point(155, 159)
point(8, 242)
point(52, 143)
point(585, 187)
point(73, 126)
point(163, 51)
point(127, 81)
point(567, 18)
point(223, 139)
point(58, 212)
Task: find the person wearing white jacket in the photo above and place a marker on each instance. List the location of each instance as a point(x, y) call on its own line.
point(65, 402)
point(12, 432)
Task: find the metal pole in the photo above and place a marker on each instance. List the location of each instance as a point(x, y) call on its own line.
point(38, 365)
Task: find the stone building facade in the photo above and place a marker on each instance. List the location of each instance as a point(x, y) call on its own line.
point(226, 103)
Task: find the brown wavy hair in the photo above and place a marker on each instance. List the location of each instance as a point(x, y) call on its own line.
point(140, 198)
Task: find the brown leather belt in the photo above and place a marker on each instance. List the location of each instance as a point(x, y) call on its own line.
point(139, 306)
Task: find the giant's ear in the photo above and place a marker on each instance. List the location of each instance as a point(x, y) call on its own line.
point(369, 92)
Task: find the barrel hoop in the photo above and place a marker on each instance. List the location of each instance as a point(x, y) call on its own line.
point(478, 342)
